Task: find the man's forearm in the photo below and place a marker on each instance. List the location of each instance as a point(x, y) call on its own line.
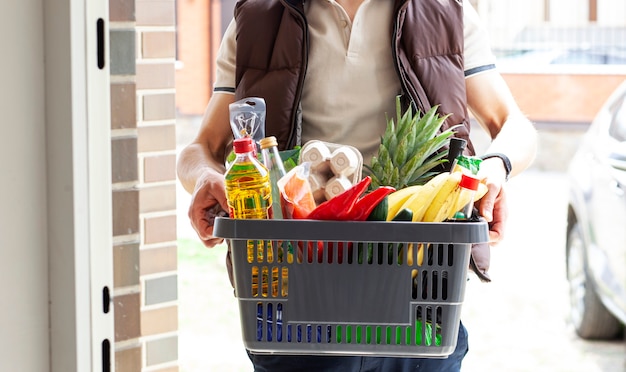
point(517, 139)
point(194, 161)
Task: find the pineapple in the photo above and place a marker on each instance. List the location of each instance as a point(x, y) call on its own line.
point(410, 149)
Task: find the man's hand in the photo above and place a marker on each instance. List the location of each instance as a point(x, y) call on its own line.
point(493, 205)
point(200, 168)
point(494, 209)
point(207, 202)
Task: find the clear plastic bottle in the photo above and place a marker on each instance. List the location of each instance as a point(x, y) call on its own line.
point(248, 187)
point(274, 164)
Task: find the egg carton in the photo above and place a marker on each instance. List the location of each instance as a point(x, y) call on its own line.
point(334, 168)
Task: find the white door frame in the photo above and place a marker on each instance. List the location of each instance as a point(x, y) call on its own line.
point(79, 185)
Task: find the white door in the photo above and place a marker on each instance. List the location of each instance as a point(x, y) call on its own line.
point(79, 185)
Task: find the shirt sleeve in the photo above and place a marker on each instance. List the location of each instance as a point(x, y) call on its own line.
point(478, 56)
point(225, 62)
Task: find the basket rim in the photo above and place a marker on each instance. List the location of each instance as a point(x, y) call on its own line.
point(362, 231)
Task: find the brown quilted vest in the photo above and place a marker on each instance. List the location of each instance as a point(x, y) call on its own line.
point(272, 39)
point(427, 43)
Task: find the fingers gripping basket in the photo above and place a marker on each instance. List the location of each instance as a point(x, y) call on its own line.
point(353, 288)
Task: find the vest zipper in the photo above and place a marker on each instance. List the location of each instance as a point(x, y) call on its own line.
point(407, 87)
point(296, 125)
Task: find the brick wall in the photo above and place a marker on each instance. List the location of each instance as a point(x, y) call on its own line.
point(142, 49)
point(562, 97)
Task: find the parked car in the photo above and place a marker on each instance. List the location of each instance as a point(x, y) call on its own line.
point(596, 225)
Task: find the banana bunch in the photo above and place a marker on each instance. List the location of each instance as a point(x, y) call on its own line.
point(436, 201)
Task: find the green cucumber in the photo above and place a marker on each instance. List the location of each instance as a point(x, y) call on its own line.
point(379, 213)
point(404, 214)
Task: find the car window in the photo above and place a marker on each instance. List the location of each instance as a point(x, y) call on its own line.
point(617, 129)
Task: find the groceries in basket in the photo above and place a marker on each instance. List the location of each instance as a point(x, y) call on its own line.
point(364, 278)
point(354, 204)
point(439, 199)
point(405, 181)
point(384, 306)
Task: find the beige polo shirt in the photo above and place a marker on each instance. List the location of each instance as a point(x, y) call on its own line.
point(351, 82)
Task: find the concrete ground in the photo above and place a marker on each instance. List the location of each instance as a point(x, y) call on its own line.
point(519, 322)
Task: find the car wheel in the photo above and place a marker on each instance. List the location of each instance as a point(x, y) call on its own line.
point(590, 318)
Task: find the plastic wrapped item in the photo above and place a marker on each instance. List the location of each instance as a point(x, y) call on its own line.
point(296, 197)
point(471, 164)
point(247, 118)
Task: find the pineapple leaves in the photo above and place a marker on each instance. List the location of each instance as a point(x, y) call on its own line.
point(411, 147)
point(402, 151)
point(422, 174)
point(395, 176)
point(390, 140)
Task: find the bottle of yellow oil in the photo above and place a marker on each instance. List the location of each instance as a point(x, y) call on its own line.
point(248, 187)
point(249, 195)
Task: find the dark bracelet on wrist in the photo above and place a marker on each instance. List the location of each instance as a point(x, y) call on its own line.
point(505, 161)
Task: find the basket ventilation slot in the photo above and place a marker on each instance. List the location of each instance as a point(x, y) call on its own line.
point(425, 331)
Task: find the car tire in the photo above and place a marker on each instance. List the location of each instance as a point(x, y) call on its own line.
point(591, 320)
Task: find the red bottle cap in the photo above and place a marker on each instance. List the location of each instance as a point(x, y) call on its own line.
point(469, 182)
point(243, 145)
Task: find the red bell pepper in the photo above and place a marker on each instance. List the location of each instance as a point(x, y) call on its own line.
point(338, 208)
point(364, 206)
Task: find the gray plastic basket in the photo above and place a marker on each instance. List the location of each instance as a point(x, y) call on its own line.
point(351, 288)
